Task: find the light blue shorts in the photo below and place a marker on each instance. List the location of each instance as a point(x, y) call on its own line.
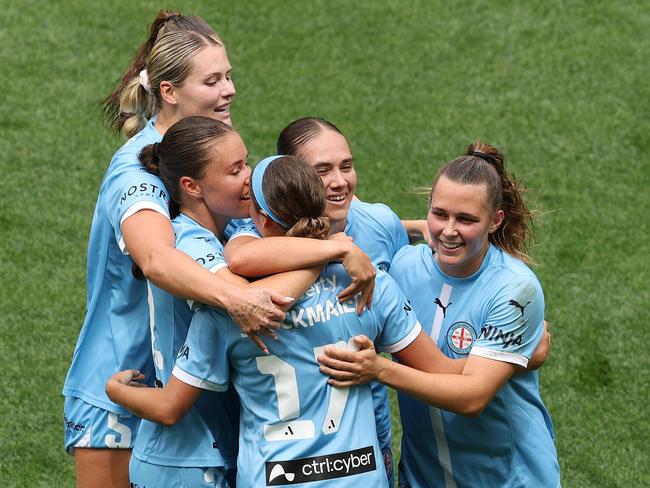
point(145, 475)
point(85, 425)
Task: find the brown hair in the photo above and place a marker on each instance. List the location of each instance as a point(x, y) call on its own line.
point(183, 151)
point(300, 132)
point(127, 108)
point(484, 164)
point(295, 193)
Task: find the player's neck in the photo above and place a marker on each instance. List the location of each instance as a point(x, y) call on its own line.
point(202, 215)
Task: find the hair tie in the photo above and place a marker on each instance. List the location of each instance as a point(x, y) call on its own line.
point(144, 80)
point(258, 191)
point(481, 155)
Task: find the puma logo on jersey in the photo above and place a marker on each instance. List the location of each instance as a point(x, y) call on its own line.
point(515, 303)
point(444, 309)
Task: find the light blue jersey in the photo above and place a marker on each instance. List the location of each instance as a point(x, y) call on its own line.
point(295, 428)
point(496, 313)
point(237, 227)
point(207, 435)
point(115, 334)
point(377, 231)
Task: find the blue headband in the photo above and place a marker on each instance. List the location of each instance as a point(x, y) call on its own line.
point(258, 190)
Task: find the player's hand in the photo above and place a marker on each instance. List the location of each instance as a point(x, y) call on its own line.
point(258, 312)
point(360, 268)
point(128, 377)
point(349, 368)
point(540, 355)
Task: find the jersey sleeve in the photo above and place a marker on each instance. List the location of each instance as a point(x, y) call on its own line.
point(400, 259)
point(514, 323)
point(398, 325)
point(136, 190)
point(398, 233)
point(241, 227)
point(203, 360)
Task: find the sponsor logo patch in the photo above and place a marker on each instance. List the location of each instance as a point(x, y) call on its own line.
point(317, 468)
point(71, 425)
point(460, 337)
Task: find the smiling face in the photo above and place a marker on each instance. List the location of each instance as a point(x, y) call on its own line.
point(224, 185)
point(208, 89)
point(328, 152)
point(460, 222)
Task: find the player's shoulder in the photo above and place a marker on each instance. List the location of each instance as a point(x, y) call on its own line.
point(128, 156)
point(507, 269)
point(407, 255)
point(507, 278)
point(186, 228)
point(385, 284)
point(240, 228)
point(378, 212)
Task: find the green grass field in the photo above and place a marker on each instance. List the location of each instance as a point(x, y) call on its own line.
point(561, 86)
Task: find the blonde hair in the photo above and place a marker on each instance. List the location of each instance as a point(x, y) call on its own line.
point(173, 41)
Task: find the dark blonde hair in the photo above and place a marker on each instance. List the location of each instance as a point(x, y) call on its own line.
point(295, 193)
point(166, 57)
point(484, 164)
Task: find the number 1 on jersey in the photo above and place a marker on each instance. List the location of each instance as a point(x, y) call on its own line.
point(286, 389)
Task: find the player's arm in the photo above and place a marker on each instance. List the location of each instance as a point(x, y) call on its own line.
point(466, 393)
point(541, 353)
point(289, 284)
point(421, 354)
point(162, 405)
point(425, 355)
point(149, 238)
point(417, 230)
point(251, 257)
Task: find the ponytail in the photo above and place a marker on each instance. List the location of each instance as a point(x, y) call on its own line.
point(312, 227)
point(150, 159)
point(128, 107)
point(484, 164)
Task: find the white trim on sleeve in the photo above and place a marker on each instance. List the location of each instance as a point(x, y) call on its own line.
point(185, 377)
point(410, 337)
point(248, 233)
point(506, 357)
point(132, 210)
point(217, 267)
